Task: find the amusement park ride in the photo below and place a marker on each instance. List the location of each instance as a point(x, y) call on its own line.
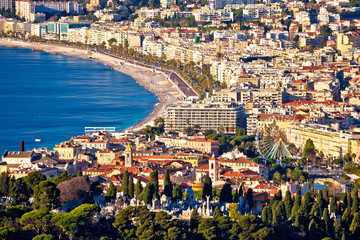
point(271, 142)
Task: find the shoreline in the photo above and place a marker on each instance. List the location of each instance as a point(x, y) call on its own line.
point(157, 83)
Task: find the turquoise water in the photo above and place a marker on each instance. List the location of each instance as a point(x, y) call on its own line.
point(54, 97)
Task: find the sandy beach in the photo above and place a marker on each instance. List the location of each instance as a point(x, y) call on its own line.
point(158, 83)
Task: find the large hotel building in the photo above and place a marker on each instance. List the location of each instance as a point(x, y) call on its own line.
point(331, 142)
point(208, 116)
point(25, 8)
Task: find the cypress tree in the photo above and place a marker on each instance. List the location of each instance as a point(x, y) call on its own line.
point(279, 195)
point(320, 200)
point(168, 188)
point(346, 218)
point(288, 204)
point(326, 196)
point(207, 188)
point(279, 216)
point(307, 202)
point(355, 202)
point(154, 182)
point(297, 204)
point(125, 183)
point(225, 193)
point(349, 199)
point(301, 218)
point(177, 192)
point(266, 215)
point(138, 189)
point(312, 235)
point(110, 192)
point(236, 196)
point(315, 210)
point(131, 187)
point(4, 183)
point(327, 221)
point(333, 205)
point(345, 202)
point(241, 190)
point(337, 233)
point(355, 225)
point(249, 197)
point(146, 195)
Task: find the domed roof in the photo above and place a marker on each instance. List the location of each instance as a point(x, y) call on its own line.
point(241, 70)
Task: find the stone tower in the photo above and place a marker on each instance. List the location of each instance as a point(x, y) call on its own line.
point(128, 156)
point(213, 168)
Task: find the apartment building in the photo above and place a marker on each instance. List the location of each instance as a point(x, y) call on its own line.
point(209, 116)
point(230, 3)
point(206, 14)
point(6, 4)
point(258, 11)
point(207, 146)
point(105, 156)
point(347, 40)
point(24, 8)
point(195, 159)
point(67, 150)
point(302, 17)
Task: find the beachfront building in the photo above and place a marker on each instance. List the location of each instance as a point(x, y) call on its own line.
point(62, 29)
point(24, 8)
point(222, 117)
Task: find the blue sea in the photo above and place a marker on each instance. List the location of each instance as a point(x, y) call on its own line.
point(54, 97)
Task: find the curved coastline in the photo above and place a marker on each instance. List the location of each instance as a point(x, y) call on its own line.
point(167, 93)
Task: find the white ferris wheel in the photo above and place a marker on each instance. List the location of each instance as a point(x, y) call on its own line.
point(271, 142)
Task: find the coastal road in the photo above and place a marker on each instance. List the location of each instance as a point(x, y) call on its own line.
point(173, 76)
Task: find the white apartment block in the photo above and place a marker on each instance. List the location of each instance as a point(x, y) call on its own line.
point(231, 3)
point(256, 11)
point(6, 4)
point(209, 116)
point(207, 14)
point(145, 12)
point(77, 35)
point(153, 48)
point(24, 8)
point(327, 17)
point(302, 16)
point(275, 81)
